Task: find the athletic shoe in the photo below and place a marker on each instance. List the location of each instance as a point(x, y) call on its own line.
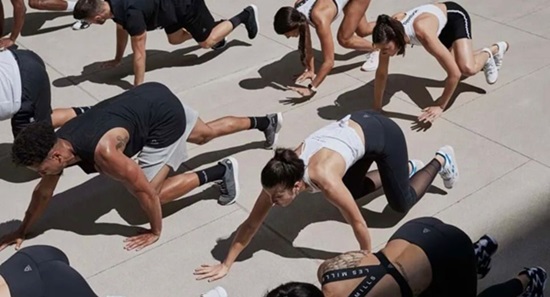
point(252, 23)
point(499, 56)
point(272, 131)
point(490, 68)
point(449, 170)
point(229, 186)
point(537, 283)
point(371, 62)
point(220, 45)
point(80, 25)
point(415, 166)
point(484, 248)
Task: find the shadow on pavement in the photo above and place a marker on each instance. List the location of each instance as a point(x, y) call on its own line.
point(34, 22)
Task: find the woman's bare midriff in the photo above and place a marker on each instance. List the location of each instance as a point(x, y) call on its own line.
point(409, 260)
point(4, 289)
point(401, 15)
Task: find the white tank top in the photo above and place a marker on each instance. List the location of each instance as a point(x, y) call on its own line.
point(306, 6)
point(10, 85)
point(339, 137)
point(411, 15)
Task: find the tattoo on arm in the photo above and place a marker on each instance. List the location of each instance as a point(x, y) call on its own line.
point(347, 260)
point(121, 142)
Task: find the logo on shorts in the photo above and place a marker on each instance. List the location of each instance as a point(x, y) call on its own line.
point(426, 230)
point(154, 142)
point(27, 269)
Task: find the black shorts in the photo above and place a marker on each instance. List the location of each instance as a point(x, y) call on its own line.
point(43, 271)
point(36, 93)
point(451, 255)
point(459, 25)
point(196, 19)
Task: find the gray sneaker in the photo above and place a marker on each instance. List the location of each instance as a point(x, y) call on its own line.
point(272, 131)
point(229, 186)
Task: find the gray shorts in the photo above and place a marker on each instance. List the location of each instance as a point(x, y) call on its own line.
point(151, 160)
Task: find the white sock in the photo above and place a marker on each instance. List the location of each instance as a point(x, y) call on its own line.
point(70, 5)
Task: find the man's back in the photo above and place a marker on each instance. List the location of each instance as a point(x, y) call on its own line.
point(151, 114)
point(138, 16)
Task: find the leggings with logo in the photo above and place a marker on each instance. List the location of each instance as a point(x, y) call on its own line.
point(43, 271)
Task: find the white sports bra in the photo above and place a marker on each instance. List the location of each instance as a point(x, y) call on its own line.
point(339, 137)
point(306, 6)
point(411, 15)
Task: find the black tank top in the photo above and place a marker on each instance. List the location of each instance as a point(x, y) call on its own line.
point(151, 113)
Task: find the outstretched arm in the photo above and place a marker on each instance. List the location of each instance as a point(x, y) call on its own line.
point(337, 193)
point(110, 160)
point(138, 47)
point(245, 233)
point(432, 44)
point(380, 79)
point(41, 196)
point(19, 10)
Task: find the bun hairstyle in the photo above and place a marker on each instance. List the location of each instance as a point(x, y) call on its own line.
point(285, 169)
point(289, 18)
point(388, 29)
point(295, 289)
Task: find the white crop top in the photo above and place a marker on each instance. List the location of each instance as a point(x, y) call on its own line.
point(411, 15)
point(306, 6)
point(339, 137)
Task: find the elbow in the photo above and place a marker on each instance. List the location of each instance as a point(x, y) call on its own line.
point(328, 63)
point(456, 75)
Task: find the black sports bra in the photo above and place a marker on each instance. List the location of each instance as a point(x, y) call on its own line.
point(372, 275)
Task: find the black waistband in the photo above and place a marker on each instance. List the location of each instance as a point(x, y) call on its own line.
point(372, 275)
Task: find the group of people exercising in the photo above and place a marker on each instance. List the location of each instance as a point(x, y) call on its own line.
point(425, 256)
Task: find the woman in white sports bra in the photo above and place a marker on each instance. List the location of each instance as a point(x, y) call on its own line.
point(444, 30)
point(295, 21)
point(335, 160)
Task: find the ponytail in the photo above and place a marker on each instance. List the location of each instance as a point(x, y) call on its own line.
point(285, 168)
point(388, 29)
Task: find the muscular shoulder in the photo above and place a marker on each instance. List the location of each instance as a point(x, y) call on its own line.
point(346, 260)
point(114, 140)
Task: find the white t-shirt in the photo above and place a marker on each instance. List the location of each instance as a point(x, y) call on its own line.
point(10, 85)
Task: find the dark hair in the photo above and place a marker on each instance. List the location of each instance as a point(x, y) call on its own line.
point(295, 289)
point(285, 169)
point(87, 8)
point(32, 144)
point(389, 29)
point(289, 18)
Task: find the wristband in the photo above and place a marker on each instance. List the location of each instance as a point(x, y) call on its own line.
point(312, 88)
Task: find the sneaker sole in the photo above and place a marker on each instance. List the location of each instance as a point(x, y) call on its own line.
point(256, 20)
point(494, 241)
point(277, 129)
point(236, 178)
point(453, 158)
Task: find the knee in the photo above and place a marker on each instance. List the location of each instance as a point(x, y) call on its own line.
point(35, 4)
point(344, 41)
point(203, 139)
point(208, 43)
point(467, 70)
point(401, 205)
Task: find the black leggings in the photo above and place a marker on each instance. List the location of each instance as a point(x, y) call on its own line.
point(453, 260)
point(43, 271)
point(385, 144)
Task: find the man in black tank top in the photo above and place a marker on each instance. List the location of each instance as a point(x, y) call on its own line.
point(149, 122)
point(181, 19)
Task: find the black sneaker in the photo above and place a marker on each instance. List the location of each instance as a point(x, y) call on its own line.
point(220, 45)
point(229, 186)
point(252, 23)
point(536, 286)
point(484, 248)
point(272, 131)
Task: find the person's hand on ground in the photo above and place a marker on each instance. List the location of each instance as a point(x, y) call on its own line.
point(304, 76)
point(303, 91)
point(430, 114)
point(5, 43)
point(211, 273)
point(138, 242)
point(16, 238)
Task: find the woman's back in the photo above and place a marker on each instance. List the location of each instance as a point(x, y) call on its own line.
point(362, 272)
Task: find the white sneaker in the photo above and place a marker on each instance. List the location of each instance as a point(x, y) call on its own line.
point(80, 25)
point(490, 68)
point(449, 171)
point(372, 61)
point(415, 166)
point(499, 56)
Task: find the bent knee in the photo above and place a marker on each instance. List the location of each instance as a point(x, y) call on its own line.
point(467, 70)
point(35, 4)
